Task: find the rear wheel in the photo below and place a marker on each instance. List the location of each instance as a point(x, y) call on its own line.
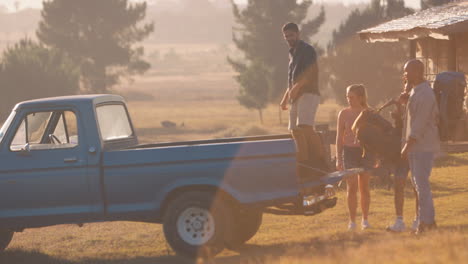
point(245, 226)
point(195, 224)
point(5, 238)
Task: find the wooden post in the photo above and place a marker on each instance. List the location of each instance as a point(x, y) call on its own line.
point(412, 51)
point(452, 54)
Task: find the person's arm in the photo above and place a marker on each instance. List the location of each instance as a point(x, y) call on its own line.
point(308, 75)
point(295, 90)
point(284, 101)
point(407, 147)
point(404, 96)
point(339, 141)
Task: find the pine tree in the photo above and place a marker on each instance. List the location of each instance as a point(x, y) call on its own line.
point(258, 36)
point(100, 35)
point(29, 70)
point(377, 65)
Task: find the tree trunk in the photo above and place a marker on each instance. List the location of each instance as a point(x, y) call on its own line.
point(94, 77)
point(99, 83)
point(260, 114)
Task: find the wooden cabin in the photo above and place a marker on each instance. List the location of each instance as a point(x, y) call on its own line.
point(437, 36)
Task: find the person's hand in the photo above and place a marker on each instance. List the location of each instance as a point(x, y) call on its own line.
point(339, 165)
point(377, 164)
point(284, 103)
point(403, 98)
point(408, 87)
point(404, 152)
point(407, 147)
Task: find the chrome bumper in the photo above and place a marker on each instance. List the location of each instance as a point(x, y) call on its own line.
point(314, 204)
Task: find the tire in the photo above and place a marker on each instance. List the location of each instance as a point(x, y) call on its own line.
point(5, 238)
point(195, 224)
point(246, 225)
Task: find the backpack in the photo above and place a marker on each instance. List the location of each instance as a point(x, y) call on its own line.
point(449, 89)
point(377, 136)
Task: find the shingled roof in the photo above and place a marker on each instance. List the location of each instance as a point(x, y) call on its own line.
point(437, 22)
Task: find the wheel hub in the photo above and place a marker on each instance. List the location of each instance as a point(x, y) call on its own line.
point(195, 226)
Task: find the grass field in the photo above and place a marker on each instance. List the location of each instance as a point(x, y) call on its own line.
point(281, 239)
point(202, 106)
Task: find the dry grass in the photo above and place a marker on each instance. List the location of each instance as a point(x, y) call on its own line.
point(281, 239)
point(208, 119)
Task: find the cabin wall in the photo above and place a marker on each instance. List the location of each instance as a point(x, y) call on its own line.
point(434, 54)
point(462, 52)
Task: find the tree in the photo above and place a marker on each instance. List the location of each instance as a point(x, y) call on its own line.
point(348, 59)
point(29, 70)
point(258, 36)
point(254, 81)
point(431, 3)
point(100, 35)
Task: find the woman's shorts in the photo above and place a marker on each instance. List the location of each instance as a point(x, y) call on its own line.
point(352, 158)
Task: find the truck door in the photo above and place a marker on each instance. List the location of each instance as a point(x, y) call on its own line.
point(43, 175)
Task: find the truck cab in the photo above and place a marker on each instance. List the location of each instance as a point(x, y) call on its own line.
point(50, 150)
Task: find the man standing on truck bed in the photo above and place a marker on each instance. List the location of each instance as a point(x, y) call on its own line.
point(304, 96)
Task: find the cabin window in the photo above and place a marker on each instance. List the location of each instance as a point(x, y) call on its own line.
point(113, 122)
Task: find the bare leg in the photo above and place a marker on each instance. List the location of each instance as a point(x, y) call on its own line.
point(399, 189)
point(352, 186)
point(302, 152)
point(365, 194)
point(417, 201)
point(315, 148)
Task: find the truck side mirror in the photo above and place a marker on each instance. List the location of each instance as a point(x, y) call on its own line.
point(25, 150)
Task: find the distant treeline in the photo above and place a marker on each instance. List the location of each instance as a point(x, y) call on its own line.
point(185, 21)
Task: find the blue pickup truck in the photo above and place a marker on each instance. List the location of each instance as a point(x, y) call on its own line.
point(76, 159)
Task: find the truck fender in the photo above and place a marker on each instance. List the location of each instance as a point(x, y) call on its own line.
point(219, 190)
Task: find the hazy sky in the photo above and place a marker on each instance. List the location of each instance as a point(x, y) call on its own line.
point(10, 4)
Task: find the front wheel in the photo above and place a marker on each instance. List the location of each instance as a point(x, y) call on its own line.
point(5, 238)
point(195, 224)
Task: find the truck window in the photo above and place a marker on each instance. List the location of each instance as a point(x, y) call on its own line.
point(113, 122)
point(66, 130)
point(6, 125)
point(46, 130)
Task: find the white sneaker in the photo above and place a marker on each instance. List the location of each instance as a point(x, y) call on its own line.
point(398, 226)
point(365, 225)
point(351, 226)
point(415, 224)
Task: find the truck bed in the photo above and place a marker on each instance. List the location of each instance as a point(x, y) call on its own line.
point(213, 141)
point(252, 171)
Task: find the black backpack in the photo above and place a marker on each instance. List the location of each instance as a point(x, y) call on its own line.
point(377, 136)
point(449, 89)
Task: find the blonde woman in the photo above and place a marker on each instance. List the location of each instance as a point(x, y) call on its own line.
point(350, 154)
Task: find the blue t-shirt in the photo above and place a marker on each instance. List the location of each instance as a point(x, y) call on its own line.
point(303, 66)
